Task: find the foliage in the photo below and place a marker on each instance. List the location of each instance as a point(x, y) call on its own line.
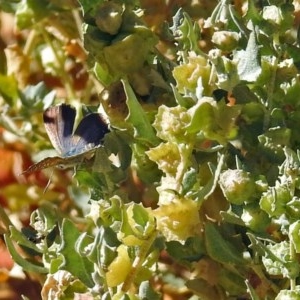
point(195, 191)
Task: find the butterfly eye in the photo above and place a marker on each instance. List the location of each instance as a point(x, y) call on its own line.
point(61, 166)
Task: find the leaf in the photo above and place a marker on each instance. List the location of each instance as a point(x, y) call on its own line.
point(77, 265)
point(22, 240)
point(9, 6)
point(35, 95)
point(202, 289)
point(252, 291)
point(103, 75)
point(192, 250)
point(231, 281)
point(208, 189)
point(189, 179)
point(147, 292)
point(8, 88)
point(216, 121)
point(219, 248)
point(88, 5)
point(21, 261)
point(186, 31)
point(29, 12)
point(140, 220)
point(118, 142)
point(249, 64)
point(137, 117)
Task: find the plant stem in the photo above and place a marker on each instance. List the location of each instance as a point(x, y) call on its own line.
point(138, 262)
point(4, 218)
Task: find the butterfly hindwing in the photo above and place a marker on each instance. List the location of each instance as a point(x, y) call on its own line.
point(59, 122)
point(89, 133)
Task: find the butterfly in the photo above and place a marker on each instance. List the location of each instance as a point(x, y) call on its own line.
point(73, 147)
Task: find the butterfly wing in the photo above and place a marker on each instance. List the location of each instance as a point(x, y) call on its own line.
point(89, 133)
point(59, 122)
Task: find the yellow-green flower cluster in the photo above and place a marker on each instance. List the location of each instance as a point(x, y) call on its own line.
point(193, 74)
point(177, 216)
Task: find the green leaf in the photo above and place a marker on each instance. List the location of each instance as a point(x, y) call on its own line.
point(21, 261)
point(9, 88)
point(251, 290)
point(294, 230)
point(209, 188)
point(104, 248)
point(289, 294)
point(88, 5)
point(249, 67)
point(231, 281)
point(137, 117)
point(203, 290)
point(189, 179)
point(22, 240)
point(181, 100)
point(291, 165)
point(146, 292)
point(276, 258)
point(203, 117)
point(31, 11)
point(216, 121)
point(141, 221)
point(74, 263)
point(186, 31)
point(273, 140)
point(103, 75)
point(219, 248)
point(37, 96)
point(274, 201)
point(192, 250)
point(9, 6)
point(252, 13)
point(44, 219)
point(118, 143)
point(146, 169)
point(238, 21)
point(122, 57)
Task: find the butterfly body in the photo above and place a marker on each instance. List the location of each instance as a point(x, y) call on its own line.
point(73, 147)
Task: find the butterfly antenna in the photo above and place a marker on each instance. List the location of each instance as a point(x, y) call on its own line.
point(48, 183)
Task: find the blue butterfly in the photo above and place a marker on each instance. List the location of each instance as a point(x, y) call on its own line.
point(73, 147)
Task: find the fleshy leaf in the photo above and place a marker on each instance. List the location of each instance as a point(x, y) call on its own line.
point(219, 248)
point(249, 67)
point(294, 231)
point(147, 292)
point(186, 32)
point(137, 117)
point(192, 250)
point(8, 88)
point(78, 266)
point(31, 11)
point(21, 261)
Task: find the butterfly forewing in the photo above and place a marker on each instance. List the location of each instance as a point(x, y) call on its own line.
point(59, 122)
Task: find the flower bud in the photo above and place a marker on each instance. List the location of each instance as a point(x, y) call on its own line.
point(237, 186)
